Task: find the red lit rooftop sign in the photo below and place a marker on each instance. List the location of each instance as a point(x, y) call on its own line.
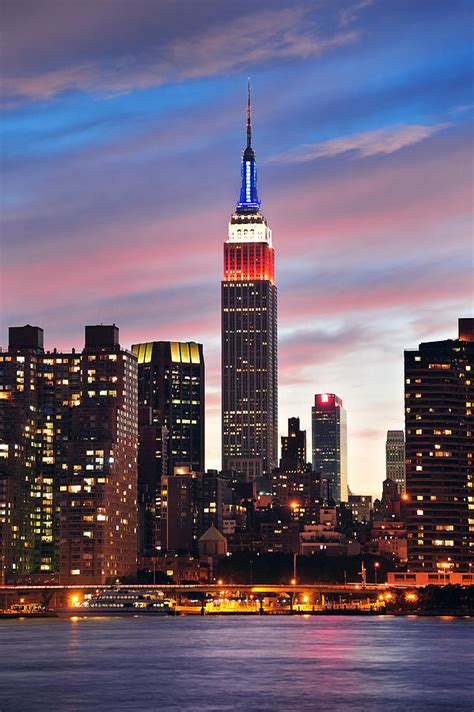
point(325, 398)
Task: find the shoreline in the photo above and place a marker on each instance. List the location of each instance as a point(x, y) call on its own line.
point(251, 614)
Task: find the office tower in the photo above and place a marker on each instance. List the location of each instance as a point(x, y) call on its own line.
point(330, 445)
point(171, 431)
point(439, 394)
point(38, 391)
point(98, 530)
point(178, 515)
point(249, 334)
point(296, 488)
point(395, 457)
point(293, 447)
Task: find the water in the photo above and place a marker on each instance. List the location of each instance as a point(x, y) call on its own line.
point(249, 664)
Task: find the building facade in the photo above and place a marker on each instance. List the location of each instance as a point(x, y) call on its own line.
point(98, 504)
point(171, 431)
point(178, 512)
point(296, 487)
point(329, 441)
point(67, 444)
point(395, 458)
point(439, 394)
point(249, 335)
point(293, 447)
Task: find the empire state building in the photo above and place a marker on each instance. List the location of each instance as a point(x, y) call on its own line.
point(249, 334)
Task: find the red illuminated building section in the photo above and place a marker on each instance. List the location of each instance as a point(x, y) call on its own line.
point(327, 399)
point(251, 261)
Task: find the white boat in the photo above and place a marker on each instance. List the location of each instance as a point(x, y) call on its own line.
point(119, 603)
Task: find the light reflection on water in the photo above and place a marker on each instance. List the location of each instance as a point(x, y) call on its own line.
point(249, 664)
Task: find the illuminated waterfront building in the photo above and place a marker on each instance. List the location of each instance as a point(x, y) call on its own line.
point(249, 335)
point(171, 432)
point(329, 440)
point(439, 396)
point(395, 457)
point(38, 391)
point(53, 491)
point(98, 532)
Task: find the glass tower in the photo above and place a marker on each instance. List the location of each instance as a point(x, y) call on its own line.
point(330, 446)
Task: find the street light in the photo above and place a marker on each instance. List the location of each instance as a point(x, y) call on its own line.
point(376, 566)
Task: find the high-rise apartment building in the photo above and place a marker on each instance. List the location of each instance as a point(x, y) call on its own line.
point(439, 396)
point(98, 531)
point(329, 440)
point(171, 431)
point(249, 334)
point(395, 458)
point(38, 392)
point(67, 458)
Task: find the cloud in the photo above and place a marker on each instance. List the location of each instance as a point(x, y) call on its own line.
point(350, 14)
point(239, 42)
point(368, 143)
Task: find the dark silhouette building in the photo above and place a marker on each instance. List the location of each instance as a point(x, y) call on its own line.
point(171, 430)
point(329, 440)
point(439, 394)
point(249, 335)
point(296, 488)
point(293, 447)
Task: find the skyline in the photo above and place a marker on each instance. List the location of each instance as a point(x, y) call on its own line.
point(85, 144)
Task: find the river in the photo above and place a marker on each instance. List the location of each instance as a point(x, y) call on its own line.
point(250, 664)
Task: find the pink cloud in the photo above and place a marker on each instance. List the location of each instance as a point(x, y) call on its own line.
point(369, 143)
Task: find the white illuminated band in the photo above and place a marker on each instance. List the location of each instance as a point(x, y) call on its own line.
point(248, 194)
point(250, 232)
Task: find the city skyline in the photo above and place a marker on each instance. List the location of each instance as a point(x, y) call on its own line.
point(370, 210)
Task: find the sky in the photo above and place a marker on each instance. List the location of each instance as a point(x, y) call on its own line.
point(122, 130)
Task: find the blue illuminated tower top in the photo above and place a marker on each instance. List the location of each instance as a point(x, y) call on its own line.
point(249, 202)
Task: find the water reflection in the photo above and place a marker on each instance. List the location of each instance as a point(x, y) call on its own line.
point(195, 664)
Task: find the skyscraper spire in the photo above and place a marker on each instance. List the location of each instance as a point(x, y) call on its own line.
point(248, 193)
point(249, 333)
point(249, 117)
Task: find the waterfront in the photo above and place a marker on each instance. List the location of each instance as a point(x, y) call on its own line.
point(253, 664)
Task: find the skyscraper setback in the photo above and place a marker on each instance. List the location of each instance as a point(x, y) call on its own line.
point(249, 334)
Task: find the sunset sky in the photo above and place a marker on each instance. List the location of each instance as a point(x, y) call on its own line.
point(122, 130)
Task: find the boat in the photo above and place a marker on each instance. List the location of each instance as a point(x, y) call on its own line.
point(120, 603)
